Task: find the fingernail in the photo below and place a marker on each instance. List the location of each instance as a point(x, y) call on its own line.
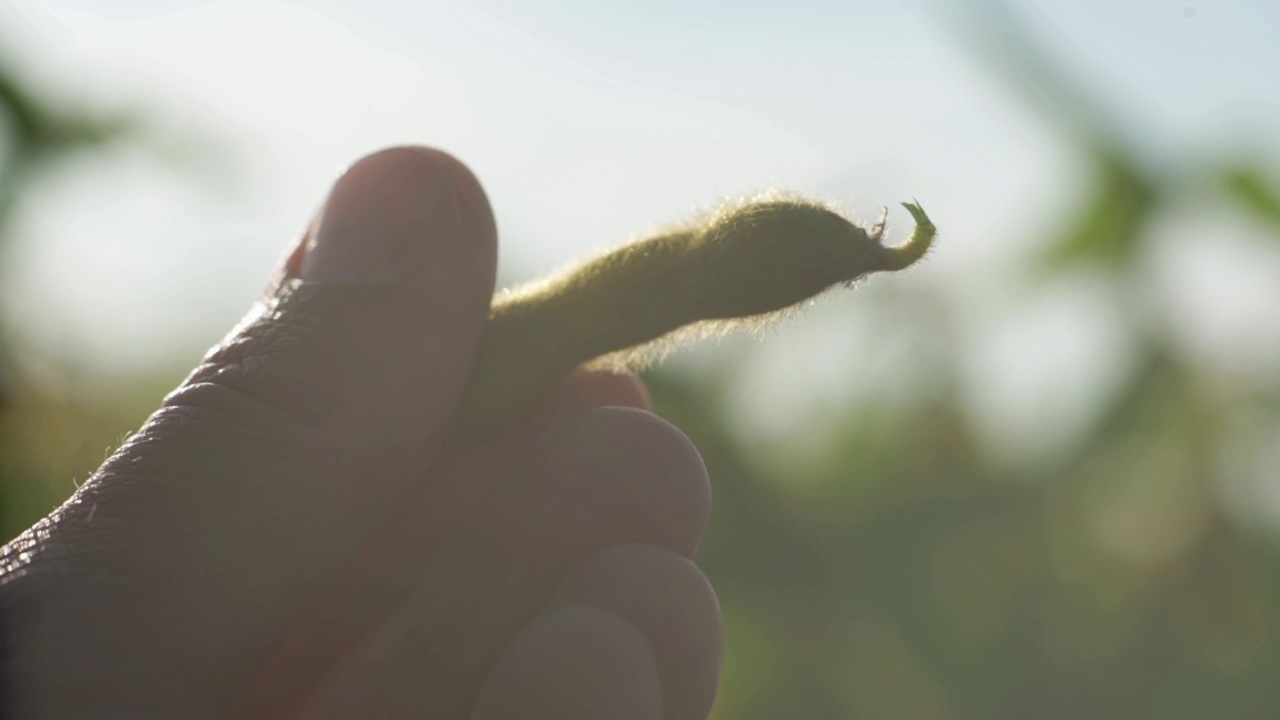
point(389, 218)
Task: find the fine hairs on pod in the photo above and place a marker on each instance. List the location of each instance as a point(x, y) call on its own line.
point(737, 267)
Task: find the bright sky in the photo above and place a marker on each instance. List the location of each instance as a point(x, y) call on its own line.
point(588, 124)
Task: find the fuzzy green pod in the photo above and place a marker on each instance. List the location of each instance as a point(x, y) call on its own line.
point(732, 268)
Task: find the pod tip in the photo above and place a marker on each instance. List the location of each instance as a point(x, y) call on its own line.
point(917, 245)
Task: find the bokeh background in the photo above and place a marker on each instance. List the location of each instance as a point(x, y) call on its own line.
point(1037, 476)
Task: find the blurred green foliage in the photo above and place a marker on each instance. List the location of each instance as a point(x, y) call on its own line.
point(901, 572)
point(1255, 191)
point(48, 437)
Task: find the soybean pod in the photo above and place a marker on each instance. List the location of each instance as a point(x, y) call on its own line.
point(729, 269)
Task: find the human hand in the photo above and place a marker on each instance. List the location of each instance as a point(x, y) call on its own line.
point(542, 573)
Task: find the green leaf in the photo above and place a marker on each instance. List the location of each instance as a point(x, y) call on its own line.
point(1107, 231)
point(1255, 191)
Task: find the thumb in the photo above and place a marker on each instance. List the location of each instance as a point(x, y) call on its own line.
point(193, 547)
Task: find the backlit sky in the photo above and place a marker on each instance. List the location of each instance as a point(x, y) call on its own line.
point(587, 124)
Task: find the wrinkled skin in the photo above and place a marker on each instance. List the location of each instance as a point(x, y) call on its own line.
point(545, 572)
